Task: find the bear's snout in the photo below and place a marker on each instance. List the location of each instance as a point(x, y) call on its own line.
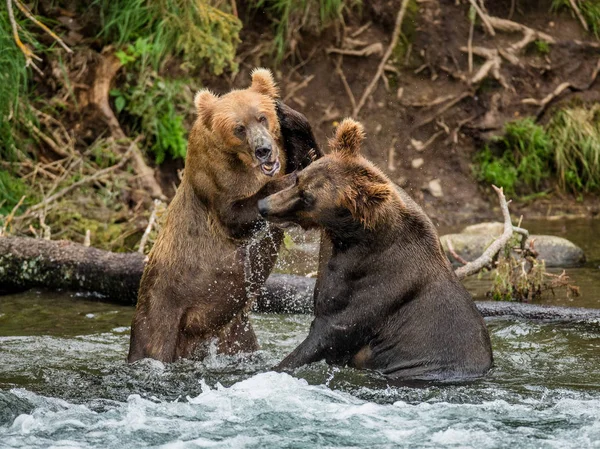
point(263, 153)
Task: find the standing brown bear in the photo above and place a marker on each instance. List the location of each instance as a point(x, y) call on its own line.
point(215, 251)
point(387, 299)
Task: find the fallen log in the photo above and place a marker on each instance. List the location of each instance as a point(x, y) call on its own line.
point(27, 263)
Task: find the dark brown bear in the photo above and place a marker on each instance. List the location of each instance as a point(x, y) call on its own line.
point(387, 299)
point(215, 251)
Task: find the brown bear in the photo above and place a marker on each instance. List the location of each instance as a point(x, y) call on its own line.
point(387, 298)
point(215, 251)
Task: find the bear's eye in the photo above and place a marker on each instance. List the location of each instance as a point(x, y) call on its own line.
point(306, 198)
point(263, 120)
point(240, 131)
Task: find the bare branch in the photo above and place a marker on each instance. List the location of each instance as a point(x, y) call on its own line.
point(97, 175)
point(488, 255)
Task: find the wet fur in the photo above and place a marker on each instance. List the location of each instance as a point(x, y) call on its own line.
point(387, 298)
point(215, 251)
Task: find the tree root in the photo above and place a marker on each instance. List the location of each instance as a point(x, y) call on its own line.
point(544, 102)
point(108, 66)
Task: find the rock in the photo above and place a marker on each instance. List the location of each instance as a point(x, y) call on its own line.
point(555, 251)
point(491, 228)
point(435, 188)
point(417, 163)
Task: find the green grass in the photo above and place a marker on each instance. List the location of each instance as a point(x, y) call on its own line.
point(528, 156)
point(575, 132)
point(195, 30)
point(519, 161)
point(13, 86)
point(590, 10)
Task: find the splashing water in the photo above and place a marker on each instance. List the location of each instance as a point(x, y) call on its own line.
point(64, 383)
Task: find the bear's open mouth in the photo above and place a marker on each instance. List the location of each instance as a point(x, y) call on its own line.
point(270, 168)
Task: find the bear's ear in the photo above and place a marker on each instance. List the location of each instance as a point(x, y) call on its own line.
point(367, 200)
point(348, 138)
point(205, 104)
point(263, 83)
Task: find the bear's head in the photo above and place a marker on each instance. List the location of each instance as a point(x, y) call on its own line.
point(340, 189)
point(245, 121)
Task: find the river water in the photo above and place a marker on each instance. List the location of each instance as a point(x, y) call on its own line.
point(64, 383)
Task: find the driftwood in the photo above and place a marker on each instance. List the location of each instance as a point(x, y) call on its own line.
point(27, 263)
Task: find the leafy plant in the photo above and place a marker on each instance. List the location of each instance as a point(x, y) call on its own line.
point(575, 132)
point(147, 101)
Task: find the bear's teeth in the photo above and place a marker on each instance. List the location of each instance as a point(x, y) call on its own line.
point(268, 167)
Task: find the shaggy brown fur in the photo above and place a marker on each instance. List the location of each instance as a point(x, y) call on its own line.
point(387, 297)
point(215, 250)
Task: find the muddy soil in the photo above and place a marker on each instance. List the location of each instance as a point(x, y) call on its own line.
point(426, 118)
point(406, 111)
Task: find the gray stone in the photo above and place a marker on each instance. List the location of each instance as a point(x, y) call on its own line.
point(555, 251)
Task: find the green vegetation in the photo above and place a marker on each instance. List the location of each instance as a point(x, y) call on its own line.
point(575, 132)
point(590, 10)
point(542, 46)
point(147, 103)
point(528, 156)
point(13, 86)
point(12, 189)
point(194, 29)
point(521, 159)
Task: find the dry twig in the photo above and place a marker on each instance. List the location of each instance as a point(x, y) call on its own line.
point(11, 216)
point(340, 72)
point(373, 49)
point(92, 178)
point(296, 87)
point(484, 18)
point(395, 35)
point(454, 254)
point(151, 221)
point(31, 17)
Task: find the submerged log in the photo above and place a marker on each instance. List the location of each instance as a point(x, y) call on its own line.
point(61, 265)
